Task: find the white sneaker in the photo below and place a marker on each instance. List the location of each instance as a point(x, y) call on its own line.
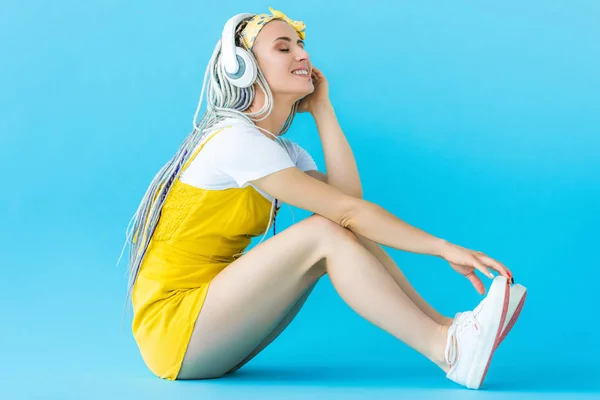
point(518, 293)
point(473, 336)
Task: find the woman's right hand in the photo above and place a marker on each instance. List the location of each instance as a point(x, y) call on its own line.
point(465, 262)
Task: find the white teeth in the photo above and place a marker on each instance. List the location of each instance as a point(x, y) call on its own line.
point(300, 72)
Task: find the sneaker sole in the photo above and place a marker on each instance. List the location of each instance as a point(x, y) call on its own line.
point(513, 319)
point(484, 354)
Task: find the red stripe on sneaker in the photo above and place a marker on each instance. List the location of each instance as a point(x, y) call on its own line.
point(513, 319)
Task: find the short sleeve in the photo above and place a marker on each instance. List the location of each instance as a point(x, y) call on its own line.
point(301, 157)
point(245, 155)
point(304, 161)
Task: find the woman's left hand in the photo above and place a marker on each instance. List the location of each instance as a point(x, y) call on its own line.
point(319, 97)
point(466, 261)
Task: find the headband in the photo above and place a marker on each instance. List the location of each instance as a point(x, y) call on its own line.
point(256, 23)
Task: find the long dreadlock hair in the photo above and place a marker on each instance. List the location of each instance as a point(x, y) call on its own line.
point(224, 100)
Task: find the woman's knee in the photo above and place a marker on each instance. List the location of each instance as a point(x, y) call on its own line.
point(329, 231)
point(329, 237)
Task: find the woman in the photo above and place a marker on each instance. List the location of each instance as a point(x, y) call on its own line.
point(203, 307)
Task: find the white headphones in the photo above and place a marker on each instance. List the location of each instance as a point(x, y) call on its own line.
point(237, 63)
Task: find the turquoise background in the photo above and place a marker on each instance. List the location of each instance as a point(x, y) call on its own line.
point(475, 121)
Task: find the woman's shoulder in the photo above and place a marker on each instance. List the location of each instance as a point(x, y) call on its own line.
point(234, 129)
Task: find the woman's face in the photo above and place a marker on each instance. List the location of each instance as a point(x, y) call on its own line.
point(279, 51)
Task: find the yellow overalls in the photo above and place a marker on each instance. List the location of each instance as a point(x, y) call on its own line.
point(199, 233)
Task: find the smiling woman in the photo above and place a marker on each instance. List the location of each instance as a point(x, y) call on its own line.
point(203, 305)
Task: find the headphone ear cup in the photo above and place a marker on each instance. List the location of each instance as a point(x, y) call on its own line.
point(246, 74)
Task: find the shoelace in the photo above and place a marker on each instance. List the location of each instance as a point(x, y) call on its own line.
point(465, 320)
point(476, 311)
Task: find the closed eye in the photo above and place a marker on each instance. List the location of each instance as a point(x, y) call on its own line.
point(287, 50)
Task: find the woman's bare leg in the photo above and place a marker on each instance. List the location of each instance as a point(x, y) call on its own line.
point(393, 269)
point(248, 299)
point(283, 324)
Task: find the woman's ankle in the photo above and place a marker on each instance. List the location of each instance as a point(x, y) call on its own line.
point(438, 353)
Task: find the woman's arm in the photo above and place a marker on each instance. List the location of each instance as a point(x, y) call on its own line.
point(336, 202)
point(294, 187)
point(367, 219)
point(340, 164)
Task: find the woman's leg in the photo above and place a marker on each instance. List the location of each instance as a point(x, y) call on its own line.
point(392, 268)
point(249, 298)
point(283, 324)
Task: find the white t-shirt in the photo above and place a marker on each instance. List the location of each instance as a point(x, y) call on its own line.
point(237, 155)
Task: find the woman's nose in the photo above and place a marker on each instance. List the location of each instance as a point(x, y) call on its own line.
point(302, 55)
